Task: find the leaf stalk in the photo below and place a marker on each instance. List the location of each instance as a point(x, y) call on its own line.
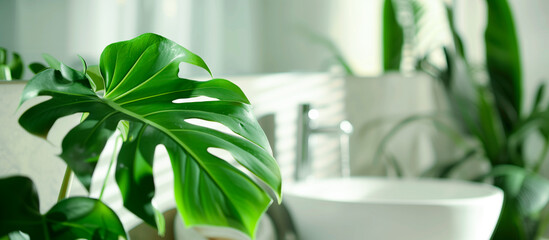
point(66, 185)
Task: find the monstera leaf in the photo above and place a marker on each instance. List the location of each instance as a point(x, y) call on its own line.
point(71, 218)
point(143, 90)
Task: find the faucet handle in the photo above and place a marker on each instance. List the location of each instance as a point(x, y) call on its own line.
point(346, 127)
point(305, 130)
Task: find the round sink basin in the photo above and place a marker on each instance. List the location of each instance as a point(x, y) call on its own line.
point(393, 209)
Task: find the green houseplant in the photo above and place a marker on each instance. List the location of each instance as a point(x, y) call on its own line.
point(136, 91)
point(491, 114)
point(10, 70)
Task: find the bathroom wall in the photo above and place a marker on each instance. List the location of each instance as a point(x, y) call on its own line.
point(25, 154)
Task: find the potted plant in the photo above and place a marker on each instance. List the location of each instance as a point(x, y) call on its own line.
point(135, 92)
point(490, 115)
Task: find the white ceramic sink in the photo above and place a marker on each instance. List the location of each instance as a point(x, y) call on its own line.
point(384, 209)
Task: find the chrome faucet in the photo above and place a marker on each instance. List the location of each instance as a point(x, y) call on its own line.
point(305, 130)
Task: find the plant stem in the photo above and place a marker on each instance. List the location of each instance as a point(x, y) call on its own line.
point(67, 179)
point(109, 169)
point(542, 157)
point(66, 186)
point(45, 228)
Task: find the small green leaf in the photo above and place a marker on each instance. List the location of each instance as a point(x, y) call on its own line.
point(51, 61)
point(93, 74)
point(37, 67)
point(16, 66)
point(70, 73)
point(540, 94)
point(5, 73)
point(84, 65)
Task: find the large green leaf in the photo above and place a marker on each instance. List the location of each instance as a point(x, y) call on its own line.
point(503, 61)
point(393, 37)
point(71, 218)
point(142, 87)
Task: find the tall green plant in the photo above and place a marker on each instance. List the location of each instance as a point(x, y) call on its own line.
point(137, 91)
point(492, 115)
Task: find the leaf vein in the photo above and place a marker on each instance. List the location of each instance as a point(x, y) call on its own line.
point(127, 73)
point(144, 82)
